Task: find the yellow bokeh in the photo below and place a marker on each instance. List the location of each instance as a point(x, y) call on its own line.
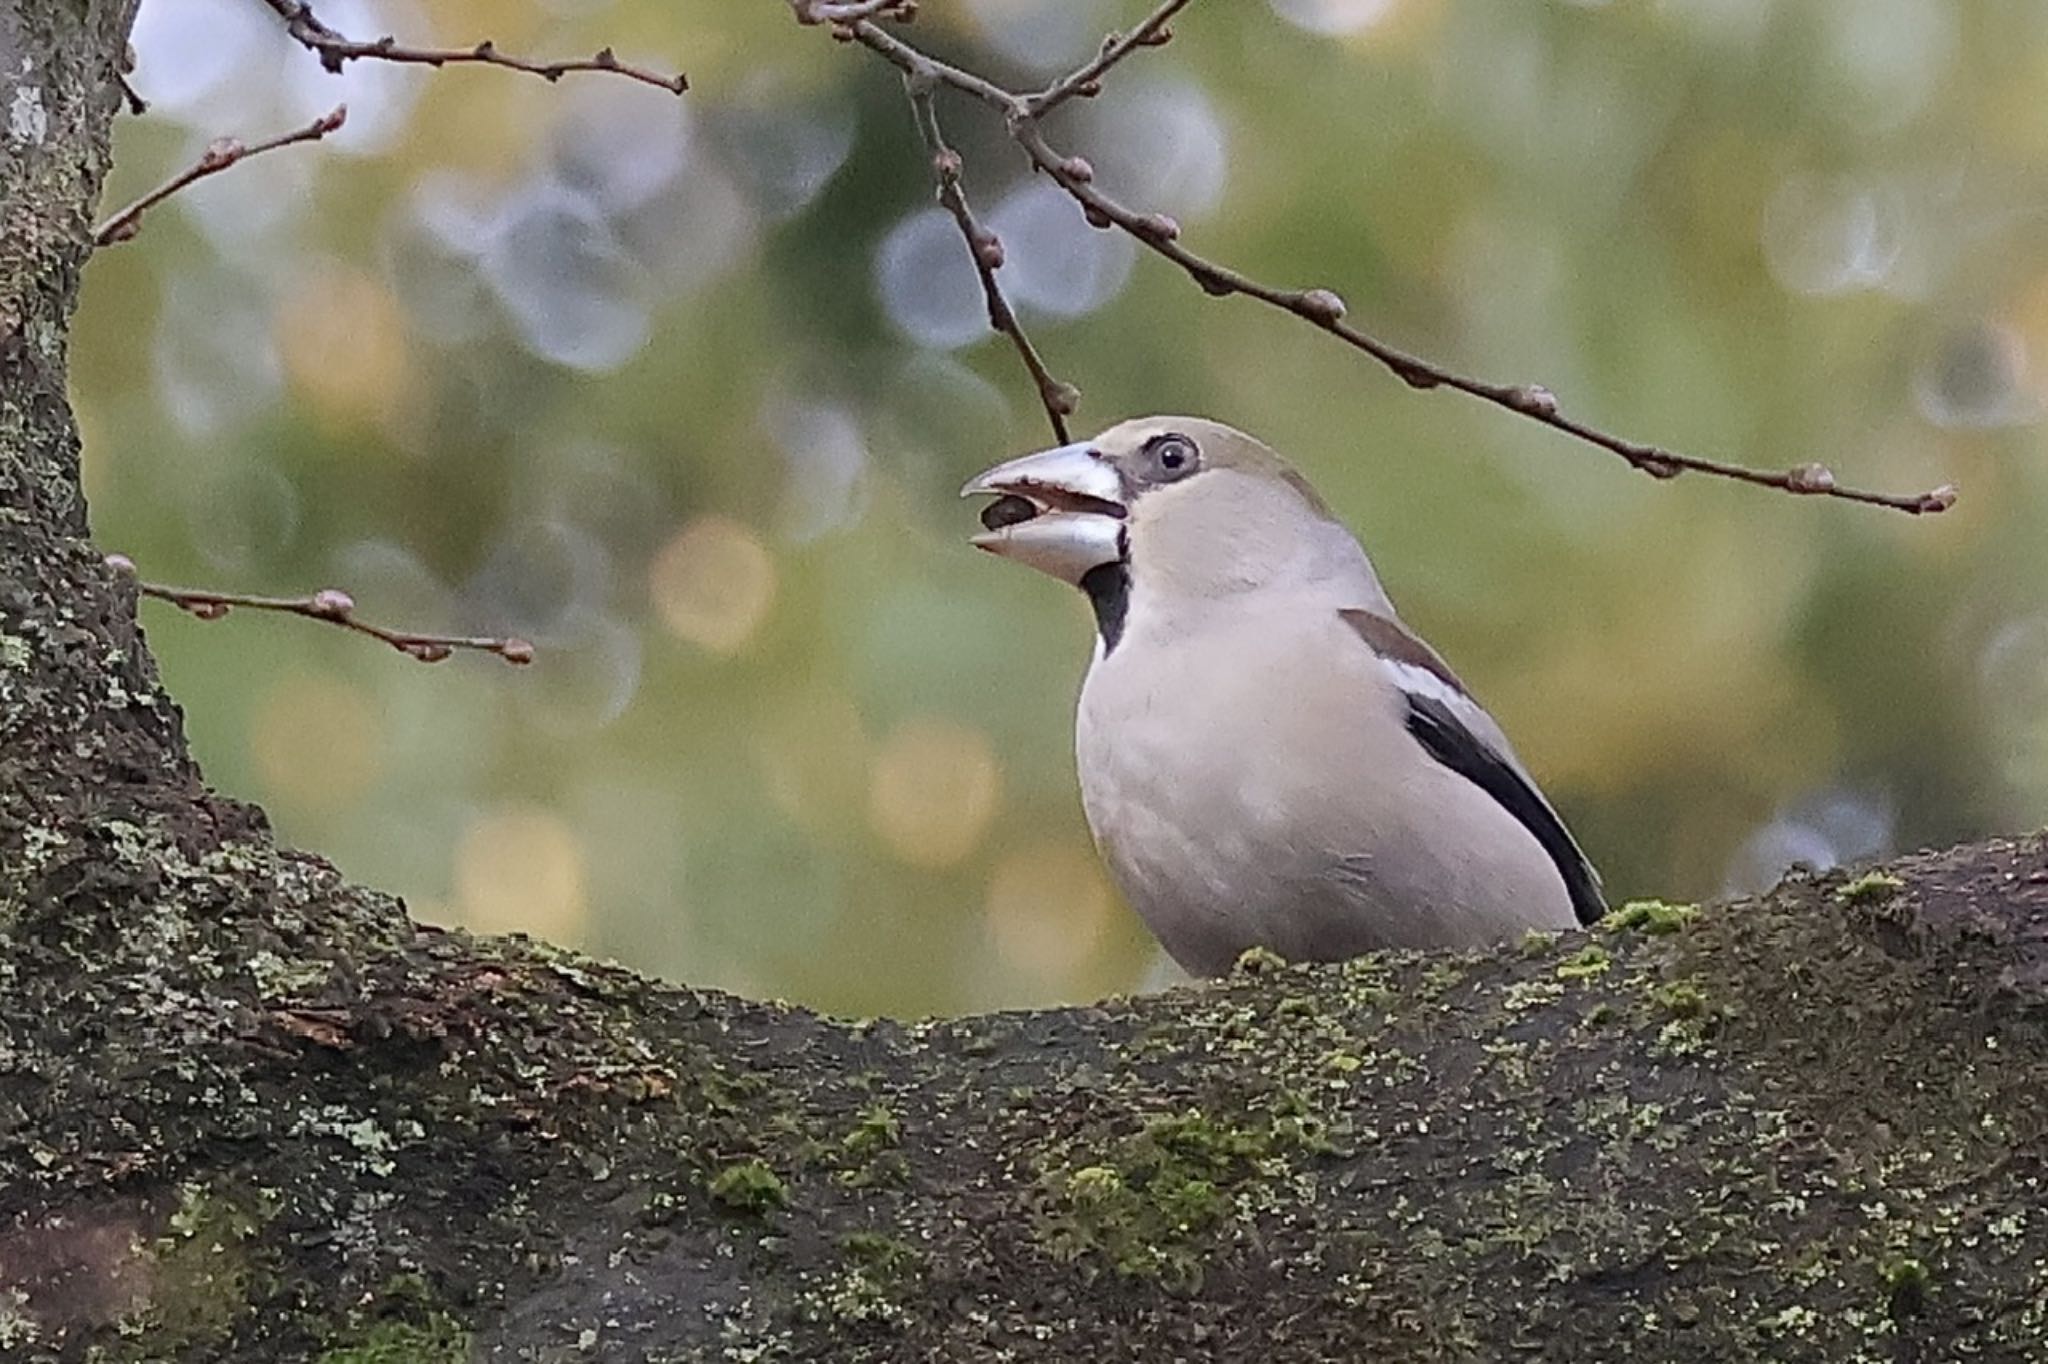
point(342, 338)
point(813, 750)
point(713, 584)
point(317, 742)
point(521, 870)
point(933, 792)
point(1047, 908)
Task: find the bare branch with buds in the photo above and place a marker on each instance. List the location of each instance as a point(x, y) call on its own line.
point(330, 605)
point(220, 154)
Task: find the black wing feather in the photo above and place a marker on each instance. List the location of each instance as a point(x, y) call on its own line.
point(1437, 728)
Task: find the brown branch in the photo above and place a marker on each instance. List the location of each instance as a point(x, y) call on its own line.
point(1058, 398)
point(219, 155)
point(137, 105)
point(843, 12)
point(1323, 308)
point(1087, 81)
point(330, 605)
point(335, 50)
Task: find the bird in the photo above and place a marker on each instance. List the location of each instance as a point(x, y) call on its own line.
point(1268, 757)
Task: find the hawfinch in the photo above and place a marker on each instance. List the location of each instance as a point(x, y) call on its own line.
point(1268, 758)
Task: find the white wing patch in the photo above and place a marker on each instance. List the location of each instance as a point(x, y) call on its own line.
point(1419, 681)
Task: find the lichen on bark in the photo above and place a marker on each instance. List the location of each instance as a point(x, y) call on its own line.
point(251, 1112)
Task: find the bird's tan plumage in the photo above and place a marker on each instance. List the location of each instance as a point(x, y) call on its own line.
point(1267, 756)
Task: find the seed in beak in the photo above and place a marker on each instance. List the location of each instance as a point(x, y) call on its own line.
point(1008, 510)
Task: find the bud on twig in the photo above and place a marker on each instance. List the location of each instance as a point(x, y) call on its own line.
point(1323, 305)
point(221, 153)
point(1810, 478)
point(1159, 227)
point(332, 603)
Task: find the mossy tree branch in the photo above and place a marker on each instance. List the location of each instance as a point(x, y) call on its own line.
point(251, 1112)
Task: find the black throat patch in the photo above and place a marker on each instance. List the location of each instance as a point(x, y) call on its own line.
point(1109, 591)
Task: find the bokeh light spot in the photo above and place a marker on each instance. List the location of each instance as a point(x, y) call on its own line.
point(342, 338)
point(713, 583)
point(316, 742)
point(574, 293)
point(1057, 263)
point(934, 791)
point(1047, 907)
point(1832, 234)
point(813, 751)
point(927, 284)
point(521, 871)
point(1334, 16)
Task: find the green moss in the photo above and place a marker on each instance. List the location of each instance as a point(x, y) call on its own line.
point(1649, 916)
point(1588, 963)
point(872, 1284)
point(207, 1272)
point(881, 1256)
point(1440, 976)
point(1683, 998)
point(868, 1154)
point(1525, 995)
point(442, 1341)
point(749, 1186)
point(875, 1130)
point(1906, 1281)
point(1868, 888)
point(1153, 1206)
point(1258, 961)
point(405, 1325)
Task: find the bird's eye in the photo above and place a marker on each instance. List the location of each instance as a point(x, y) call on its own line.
point(1171, 457)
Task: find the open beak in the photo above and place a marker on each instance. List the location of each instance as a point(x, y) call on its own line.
point(1060, 511)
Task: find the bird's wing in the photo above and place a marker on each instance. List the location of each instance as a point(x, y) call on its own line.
point(1455, 730)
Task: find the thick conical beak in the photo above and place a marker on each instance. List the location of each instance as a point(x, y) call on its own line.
point(1060, 511)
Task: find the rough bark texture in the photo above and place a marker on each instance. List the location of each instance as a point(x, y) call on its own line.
point(250, 1112)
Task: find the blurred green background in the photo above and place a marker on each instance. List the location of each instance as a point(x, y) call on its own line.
point(682, 391)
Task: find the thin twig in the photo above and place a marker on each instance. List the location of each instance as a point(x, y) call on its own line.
point(1058, 398)
point(851, 11)
point(335, 50)
point(1323, 308)
point(137, 105)
point(332, 606)
point(221, 153)
point(1087, 81)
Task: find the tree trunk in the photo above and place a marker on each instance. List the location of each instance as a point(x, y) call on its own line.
point(250, 1112)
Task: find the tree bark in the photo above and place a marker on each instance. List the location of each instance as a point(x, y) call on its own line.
point(251, 1112)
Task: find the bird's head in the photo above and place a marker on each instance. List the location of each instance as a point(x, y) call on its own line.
point(1178, 506)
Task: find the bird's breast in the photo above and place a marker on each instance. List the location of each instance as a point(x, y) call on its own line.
point(1193, 792)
